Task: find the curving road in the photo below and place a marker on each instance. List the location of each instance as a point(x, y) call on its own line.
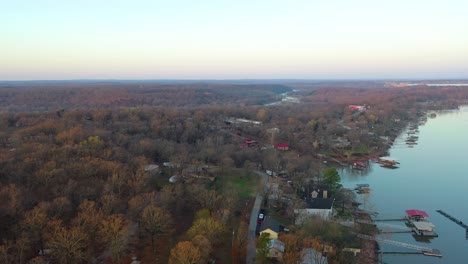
point(251, 249)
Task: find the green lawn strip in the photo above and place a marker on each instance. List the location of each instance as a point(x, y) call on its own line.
point(243, 182)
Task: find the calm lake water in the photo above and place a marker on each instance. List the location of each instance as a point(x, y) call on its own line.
point(432, 176)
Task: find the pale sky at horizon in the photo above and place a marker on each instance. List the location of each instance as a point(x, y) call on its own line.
point(176, 39)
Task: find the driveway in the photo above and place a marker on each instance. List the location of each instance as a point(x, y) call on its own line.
point(251, 250)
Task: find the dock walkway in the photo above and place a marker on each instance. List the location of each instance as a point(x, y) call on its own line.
point(425, 250)
point(456, 221)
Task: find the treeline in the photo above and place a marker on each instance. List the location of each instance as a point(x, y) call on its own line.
point(42, 97)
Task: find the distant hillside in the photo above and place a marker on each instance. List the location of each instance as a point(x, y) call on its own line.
point(45, 96)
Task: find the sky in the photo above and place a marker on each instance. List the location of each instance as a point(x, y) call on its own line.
point(237, 39)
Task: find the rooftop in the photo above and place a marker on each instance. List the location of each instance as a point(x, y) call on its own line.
point(320, 203)
point(416, 212)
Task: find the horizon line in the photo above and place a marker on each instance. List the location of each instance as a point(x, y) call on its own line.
point(230, 79)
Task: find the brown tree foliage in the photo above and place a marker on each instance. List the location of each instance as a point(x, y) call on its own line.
point(156, 221)
point(185, 253)
point(114, 232)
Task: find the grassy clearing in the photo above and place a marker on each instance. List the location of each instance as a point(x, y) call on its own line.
point(241, 181)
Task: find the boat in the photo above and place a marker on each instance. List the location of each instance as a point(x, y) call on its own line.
point(359, 165)
point(389, 164)
point(362, 188)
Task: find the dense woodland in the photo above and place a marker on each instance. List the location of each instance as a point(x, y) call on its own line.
point(75, 186)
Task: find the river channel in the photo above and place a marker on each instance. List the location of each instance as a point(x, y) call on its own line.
point(431, 176)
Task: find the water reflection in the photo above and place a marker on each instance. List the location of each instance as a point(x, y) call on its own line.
point(431, 177)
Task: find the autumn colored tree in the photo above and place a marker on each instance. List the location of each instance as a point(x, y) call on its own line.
point(156, 221)
point(204, 245)
point(185, 253)
point(240, 242)
point(207, 199)
point(89, 219)
point(68, 245)
point(261, 114)
point(209, 227)
point(114, 232)
point(292, 250)
point(34, 223)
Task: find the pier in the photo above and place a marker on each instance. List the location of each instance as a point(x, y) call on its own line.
point(390, 220)
point(456, 221)
point(426, 251)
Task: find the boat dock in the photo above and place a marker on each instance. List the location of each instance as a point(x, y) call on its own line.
point(390, 220)
point(424, 250)
point(456, 221)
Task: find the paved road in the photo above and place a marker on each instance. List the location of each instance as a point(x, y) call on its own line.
point(251, 250)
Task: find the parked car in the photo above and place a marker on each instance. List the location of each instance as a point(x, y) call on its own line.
point(260, 218)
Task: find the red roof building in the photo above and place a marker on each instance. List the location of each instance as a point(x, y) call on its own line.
point(416, 213)
point(282, 146)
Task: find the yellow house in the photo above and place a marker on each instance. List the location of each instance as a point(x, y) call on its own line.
point(273, 234)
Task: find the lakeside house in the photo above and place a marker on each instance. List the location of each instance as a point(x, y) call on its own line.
point(319, 207)
point(317, 204)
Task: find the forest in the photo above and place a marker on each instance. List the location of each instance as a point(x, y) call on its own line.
point(104, 172)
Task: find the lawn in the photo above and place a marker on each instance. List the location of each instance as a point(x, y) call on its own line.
point(241, 181)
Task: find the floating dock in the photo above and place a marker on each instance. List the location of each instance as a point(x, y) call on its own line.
point(423, 228)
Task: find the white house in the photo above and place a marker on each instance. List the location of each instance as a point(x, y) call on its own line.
point(322, 207)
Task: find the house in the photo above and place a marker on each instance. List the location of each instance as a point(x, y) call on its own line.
point(317, 207)
point(249, 142)
point(341, 143)
point(271, 226)
point(318, 203)
point(272, 233)
point(276, 249)
point(282, 146)
point(312, 256)
point(358, 107)
point(241, 121)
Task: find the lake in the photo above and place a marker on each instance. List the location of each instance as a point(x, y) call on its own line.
point(431, 176)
